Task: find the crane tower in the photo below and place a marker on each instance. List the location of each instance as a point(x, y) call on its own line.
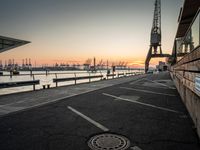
point(155, 49)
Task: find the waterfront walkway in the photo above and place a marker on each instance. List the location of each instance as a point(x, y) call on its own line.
point(146, 109)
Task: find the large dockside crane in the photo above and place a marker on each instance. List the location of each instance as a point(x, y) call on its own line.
point(155, 41)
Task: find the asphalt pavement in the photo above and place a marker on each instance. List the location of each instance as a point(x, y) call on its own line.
point(148, 111)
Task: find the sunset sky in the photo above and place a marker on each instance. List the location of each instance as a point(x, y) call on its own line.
point(75, 30)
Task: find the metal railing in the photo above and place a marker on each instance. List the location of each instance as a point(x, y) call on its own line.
point(75, 78)
point(50, 79)
point(19, 83)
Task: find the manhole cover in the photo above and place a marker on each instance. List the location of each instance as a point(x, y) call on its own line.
point(108, 141)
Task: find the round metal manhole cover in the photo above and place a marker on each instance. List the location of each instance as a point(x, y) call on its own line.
point(108, 141)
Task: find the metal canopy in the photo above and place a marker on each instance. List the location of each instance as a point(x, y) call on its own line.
point(7, 43)
point(187, 15)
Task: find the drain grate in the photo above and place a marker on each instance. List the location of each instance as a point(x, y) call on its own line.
point(108, 141)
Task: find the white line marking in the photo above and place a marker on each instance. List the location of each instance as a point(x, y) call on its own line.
point(161, 84)
point(149, 105)
point(145, 91)
point(136, 81)
point(89, 119)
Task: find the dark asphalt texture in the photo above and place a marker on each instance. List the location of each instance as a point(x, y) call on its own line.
point(55, 127)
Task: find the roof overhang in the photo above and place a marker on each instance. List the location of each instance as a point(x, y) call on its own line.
point(186, 17)
point(7, 43)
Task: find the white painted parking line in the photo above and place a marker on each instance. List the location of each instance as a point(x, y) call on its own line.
point(161, 84)
point(88, 119)
point(141, 103)
point(136, 81)
point(145, 91)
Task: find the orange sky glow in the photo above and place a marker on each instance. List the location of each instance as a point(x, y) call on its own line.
point(73, 31)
